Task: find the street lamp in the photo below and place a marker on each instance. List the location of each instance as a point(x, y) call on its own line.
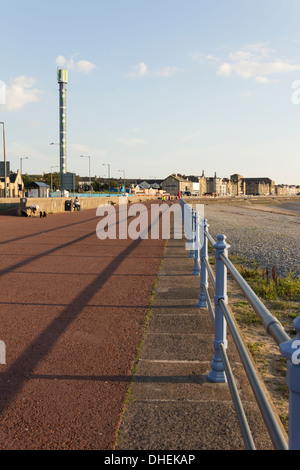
point(22, 158)
point(55, 166)
point(60, 178)
point(86, 156)
point(124, 178)
point(108, 165)
point(4, 154)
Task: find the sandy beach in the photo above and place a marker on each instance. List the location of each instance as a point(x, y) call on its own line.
point(265, 232)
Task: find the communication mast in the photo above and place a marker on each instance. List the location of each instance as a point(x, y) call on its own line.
point(62, 77)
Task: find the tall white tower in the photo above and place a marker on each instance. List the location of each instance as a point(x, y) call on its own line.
point(62, 77)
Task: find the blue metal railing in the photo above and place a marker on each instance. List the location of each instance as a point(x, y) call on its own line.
point(220, 368)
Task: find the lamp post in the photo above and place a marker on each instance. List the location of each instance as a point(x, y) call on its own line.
point(60, 182)
point(108, 165)
point(21, 169)
point(22, 158)
point(4, 154)
point(124, 178)
point(55, 166)
point(86, 156)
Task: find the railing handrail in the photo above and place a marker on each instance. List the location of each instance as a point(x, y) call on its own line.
point(221, 317)
point(208, 235)
point(270, 323)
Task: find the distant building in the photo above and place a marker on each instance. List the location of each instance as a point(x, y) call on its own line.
point(144, 185)
point(214, 186)
point(175, 183)
point(202, 184)
point(234, 186)
point(84, 182)
point(287, 190)
point(14, 185)
point(194, 188)
point(237, 185)
point(259, 186)
point(38, 189)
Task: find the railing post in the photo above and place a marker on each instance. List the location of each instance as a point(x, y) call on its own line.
point(217, 372)
point(291, 350)
point(182, 208)
point(203, 272)
point(196, 270)
point(192, 231)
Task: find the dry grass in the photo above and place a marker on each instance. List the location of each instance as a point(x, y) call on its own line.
point(282, 298)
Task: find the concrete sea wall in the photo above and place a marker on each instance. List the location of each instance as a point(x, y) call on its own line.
point(54, 205)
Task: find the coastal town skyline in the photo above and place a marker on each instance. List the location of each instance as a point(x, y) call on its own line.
point(173, 184)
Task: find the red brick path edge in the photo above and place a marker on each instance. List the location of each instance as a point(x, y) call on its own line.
point(72, 314)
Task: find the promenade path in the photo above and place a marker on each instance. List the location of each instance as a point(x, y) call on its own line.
point(72, 314)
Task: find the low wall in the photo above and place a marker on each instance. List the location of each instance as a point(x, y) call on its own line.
point(9, 203)
point(54, 205)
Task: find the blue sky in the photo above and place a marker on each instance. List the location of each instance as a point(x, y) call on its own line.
point(155, 87)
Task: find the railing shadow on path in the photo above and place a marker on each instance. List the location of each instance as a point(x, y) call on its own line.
point(13, 379)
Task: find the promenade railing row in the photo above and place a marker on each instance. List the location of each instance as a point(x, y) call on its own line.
point(221, 371)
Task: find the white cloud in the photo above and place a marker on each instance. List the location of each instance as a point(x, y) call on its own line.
point(85, 66)
point(260, 79)
point(20, 92)
point(167, 71)
point(225, 69)
point(80, 66)
point(61, 61)
point(198, 56)
point(257, 70)
point(139, 70)
point(260, 49)
point(195, 55)
point(239, 55)
point(254, 61)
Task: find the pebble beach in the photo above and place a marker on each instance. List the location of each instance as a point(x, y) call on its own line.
point(265, 234)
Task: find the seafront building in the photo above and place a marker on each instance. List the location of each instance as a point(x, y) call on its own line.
point(236, 185)
point(286, 190)
point(174, 184)
point(14, 185)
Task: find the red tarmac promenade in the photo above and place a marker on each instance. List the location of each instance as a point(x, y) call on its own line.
point(72, 314)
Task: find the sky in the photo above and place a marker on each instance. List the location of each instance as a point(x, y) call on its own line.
point(154, 87)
